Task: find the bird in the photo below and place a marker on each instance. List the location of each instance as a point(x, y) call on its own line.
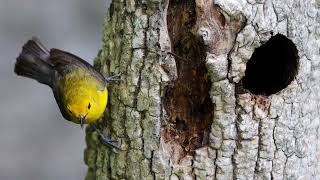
point(79, 90)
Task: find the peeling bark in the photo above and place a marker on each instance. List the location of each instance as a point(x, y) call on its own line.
point(193, 115)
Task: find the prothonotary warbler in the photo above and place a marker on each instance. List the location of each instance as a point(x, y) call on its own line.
point(80, 91)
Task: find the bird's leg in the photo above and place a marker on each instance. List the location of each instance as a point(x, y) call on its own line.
point(117, 78)
point(113, 79)
point(106, 139)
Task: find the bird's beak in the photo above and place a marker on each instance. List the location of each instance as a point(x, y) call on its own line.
point(81, 118)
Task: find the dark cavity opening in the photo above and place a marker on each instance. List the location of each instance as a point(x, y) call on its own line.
point(187, 100)
point(272, 66)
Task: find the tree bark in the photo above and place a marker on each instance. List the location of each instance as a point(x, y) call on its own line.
point(196, 114)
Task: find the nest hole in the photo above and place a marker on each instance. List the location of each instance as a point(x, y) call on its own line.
point(272, 66)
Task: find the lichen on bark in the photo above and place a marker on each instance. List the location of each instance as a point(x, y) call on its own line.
point(245, 136)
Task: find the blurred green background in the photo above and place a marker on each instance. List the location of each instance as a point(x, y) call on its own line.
point(36, 143)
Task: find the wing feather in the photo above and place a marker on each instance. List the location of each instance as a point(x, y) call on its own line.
point(63, 62)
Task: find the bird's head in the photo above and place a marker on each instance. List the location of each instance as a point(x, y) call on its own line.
point(86, 106)
point(79, 109)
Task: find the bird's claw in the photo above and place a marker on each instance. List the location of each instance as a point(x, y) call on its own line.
point(113, 79)
point(109, 141)
point(106, 139)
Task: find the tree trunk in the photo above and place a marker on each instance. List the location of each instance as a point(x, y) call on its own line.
point(239, 99)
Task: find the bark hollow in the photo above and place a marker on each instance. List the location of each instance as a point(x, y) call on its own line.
point(218, 89)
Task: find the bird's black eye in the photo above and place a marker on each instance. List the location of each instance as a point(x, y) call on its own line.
point(70, 111)
point(89, 106)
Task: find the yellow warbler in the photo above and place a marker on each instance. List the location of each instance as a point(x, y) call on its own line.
point(80, 91)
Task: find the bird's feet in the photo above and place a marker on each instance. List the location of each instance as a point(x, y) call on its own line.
point(106, 139)
point(113, 79)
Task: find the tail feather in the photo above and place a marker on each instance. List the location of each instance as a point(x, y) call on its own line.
point(32, 62)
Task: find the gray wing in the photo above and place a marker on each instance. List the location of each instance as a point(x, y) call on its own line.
point(63, 62)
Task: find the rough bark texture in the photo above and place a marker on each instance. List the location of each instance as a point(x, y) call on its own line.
point(192, 117)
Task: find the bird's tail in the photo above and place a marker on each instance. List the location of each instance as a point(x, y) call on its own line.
point(32, 62)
